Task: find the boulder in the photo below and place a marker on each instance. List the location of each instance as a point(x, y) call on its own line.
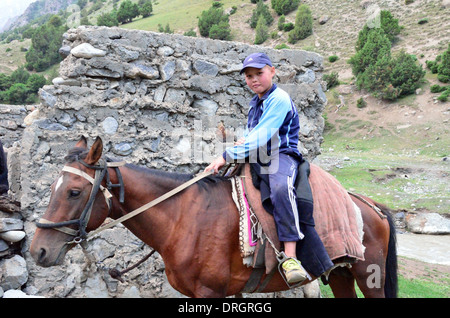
point(428, 223)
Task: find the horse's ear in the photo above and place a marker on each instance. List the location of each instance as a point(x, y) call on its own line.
point(95, 153)
point(82, 143)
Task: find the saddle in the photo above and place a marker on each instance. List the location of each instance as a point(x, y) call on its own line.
point(333, 223)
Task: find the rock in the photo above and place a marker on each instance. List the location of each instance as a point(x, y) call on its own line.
point(14, 293)
point(123, 149)
point(64, 51)
point(87, 51)
point(14, 272)
point(13, 236)
point(445, 4)
point(10, 224)
point(323, 19)
point(428, 223)
point(205, 68)
point(62, 81)
point(110, 125)
point(31, 117)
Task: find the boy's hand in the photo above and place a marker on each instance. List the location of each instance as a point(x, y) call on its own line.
point(240, 141)
point(216, 165)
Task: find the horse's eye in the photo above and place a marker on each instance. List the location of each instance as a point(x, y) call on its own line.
point(74, 193)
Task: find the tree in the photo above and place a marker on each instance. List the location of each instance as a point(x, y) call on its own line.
point(376, 46)
point(45, 44)
point(262, 31)
point(214, 18)
point(127, 11)
point(261, 10)
point(388, 24)
point(303, 24)
point(284, 6)
point(220, 31)
point(108, 19)
point(145, 8)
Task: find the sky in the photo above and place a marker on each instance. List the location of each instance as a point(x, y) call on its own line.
point(12, 8)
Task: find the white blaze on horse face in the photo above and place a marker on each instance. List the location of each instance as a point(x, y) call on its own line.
point(58, 183)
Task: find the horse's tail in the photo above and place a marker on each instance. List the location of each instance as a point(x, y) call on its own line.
point(391, 282)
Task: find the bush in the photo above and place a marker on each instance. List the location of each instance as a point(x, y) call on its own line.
point(437, 88)
point(108, 19)
point(333, 58)
point(303, 25)
point(214, 18)
point(261, 32)
point(284, 6)
point(361, 103)
point(390, 78)
point(281, 21)
point(282, 46)
point(45, 44)
point(127, 11)
point(388, 25)
point(331, 79)
point(376, 46)
point(261, 10)
point(288, 26)
point(443, 78)
point(220, 31)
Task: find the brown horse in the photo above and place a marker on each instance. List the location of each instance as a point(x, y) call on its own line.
point(195, 231)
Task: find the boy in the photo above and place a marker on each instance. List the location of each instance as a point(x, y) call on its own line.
point(273, 123)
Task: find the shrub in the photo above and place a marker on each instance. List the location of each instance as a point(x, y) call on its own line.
point(333, 58)
point(127, 11)
point(444, 96)
point(331, 79)
point(44, 48)
point(443, 78)
point(388, 25)
point(281, 21)
point(376, 46)
point(214, 17)
point(284, 6)
point(282, 46)
point(303, 25)
point(191, 32)
point(108, 19)
point(361, 103)
point(423, 21)
point(261, 10)
point(220, 31)
point(261, 32)
point(288, 26)
point(437, 88)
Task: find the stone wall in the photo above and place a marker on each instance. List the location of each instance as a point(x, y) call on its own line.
point(157, 100)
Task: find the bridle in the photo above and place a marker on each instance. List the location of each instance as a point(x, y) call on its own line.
point(101, 170)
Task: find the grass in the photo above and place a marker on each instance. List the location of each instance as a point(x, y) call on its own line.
point(181, 15)
point(407, 288)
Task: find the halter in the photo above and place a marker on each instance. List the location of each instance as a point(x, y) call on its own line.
point(101, 170)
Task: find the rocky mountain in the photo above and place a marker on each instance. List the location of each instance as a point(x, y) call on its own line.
point(37, 9)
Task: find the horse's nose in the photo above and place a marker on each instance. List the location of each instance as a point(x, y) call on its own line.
point(39, 255)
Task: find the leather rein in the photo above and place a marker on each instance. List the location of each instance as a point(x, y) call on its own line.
point(101, 170)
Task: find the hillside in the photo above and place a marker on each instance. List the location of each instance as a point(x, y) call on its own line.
point(398, 150)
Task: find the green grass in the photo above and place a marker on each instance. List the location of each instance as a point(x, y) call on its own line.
point(407, 288)
point(181, 15)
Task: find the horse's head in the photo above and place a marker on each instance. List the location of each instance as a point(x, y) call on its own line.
point(74, 194)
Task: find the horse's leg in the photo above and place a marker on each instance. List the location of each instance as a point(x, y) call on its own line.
point(370, 274)
point(342, 283)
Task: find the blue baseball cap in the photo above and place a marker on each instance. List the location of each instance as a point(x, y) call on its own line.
point(256, 60)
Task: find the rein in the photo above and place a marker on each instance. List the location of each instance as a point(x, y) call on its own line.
point(101, 170)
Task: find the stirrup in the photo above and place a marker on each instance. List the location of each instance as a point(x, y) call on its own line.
point(282, 257)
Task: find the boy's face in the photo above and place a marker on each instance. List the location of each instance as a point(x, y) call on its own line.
point(259, 79)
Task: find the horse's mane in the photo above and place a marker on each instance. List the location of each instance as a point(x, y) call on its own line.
point(77, 153)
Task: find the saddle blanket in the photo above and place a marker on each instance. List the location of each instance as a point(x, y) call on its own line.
point(338, 220)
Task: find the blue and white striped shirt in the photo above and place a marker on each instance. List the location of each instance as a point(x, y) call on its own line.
point(273, 126)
